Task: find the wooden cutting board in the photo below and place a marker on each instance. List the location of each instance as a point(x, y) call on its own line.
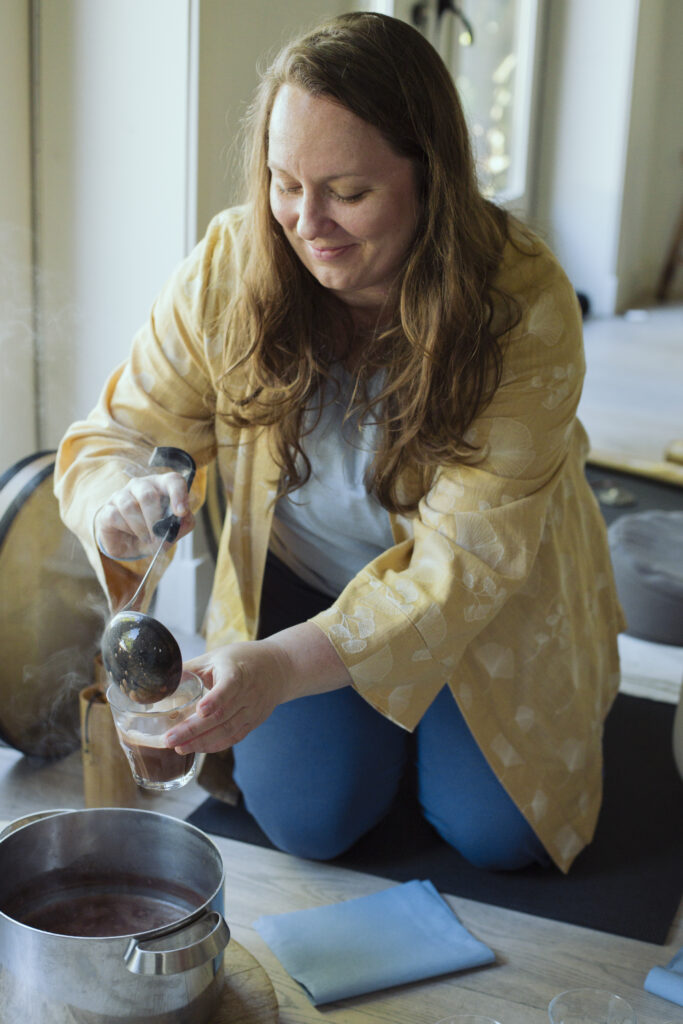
point(248, 996)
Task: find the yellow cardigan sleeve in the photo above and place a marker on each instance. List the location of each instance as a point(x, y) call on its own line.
point(402, 625)
point(164, 394)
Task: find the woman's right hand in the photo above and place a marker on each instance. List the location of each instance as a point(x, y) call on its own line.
point(123, 527)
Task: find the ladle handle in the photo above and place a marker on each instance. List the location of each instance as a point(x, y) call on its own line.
point(182, 462)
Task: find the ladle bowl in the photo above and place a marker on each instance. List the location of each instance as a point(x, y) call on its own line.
point(142, 657)
point(139, 653)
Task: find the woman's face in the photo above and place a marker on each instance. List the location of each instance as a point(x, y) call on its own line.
point(345, 200)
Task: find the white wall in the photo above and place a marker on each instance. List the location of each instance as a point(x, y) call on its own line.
point(17, 426)
point(235, 39)
point(586, 87)
point(609, 179)
point(111, 190)
point(653, 185)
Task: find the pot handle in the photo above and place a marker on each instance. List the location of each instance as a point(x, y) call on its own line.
point(18, 823)
point(181, 950)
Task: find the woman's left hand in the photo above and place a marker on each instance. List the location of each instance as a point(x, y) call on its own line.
point(246, 682)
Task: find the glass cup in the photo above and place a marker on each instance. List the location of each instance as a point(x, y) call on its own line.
point(590, 1006)
point(141, 729)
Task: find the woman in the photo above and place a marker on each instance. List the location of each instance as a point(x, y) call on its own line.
point(386, 368)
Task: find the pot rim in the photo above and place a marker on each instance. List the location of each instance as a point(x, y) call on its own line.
point(20, 824)
point(31, 819)
point(27, 819)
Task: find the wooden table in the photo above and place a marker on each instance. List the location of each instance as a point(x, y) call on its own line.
point(535, 958)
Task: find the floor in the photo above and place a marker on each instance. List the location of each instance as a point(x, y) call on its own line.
point(632, 402)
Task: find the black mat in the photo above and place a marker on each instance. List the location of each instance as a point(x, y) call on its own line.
point(641, 493)
point(629, 881)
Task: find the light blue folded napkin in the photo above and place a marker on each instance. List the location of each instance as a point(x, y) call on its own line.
point(402, 934)
point(667, 982)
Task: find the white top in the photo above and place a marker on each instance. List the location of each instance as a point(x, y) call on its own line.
point(329, 528)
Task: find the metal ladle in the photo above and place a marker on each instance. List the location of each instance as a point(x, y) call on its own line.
point(139, 653)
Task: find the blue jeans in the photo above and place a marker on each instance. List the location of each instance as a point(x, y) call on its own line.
point(323, 770)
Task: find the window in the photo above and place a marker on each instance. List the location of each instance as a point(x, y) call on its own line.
point(494, 76)
point(489, 47)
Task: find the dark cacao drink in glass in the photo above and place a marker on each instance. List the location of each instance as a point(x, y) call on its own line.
point(154, 762)
point(141, 729)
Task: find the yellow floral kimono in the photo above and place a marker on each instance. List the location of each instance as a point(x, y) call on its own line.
point(500, 587)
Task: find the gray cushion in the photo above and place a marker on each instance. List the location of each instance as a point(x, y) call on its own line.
point(647, 555)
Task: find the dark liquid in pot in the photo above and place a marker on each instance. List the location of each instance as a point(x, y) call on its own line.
point(101, 907)
point(158, 764)
point(105, 914)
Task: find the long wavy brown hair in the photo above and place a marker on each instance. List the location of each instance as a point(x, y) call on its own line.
point(438, 349)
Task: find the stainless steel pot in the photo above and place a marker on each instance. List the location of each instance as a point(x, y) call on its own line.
point(168, 974)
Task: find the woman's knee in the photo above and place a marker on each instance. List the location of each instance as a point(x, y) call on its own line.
point(492, 843)
point(307, 834)
point(320, 773)
point(462, 798)
point(321, 818)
